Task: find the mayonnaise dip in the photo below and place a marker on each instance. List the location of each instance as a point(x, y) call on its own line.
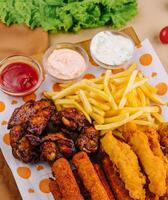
point(111, 48)
point(66, 64)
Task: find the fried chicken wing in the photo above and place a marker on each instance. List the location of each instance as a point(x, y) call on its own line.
point(39, 120)
point(49, 151)
point(22, 114)
point(31, 122)
point(23, 144)
point(88, 140)
point(26, 111)
point(64, 145)
point(15, 135)
point(25, 151)
point(73, 119)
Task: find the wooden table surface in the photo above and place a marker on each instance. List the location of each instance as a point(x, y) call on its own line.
point(152, 16)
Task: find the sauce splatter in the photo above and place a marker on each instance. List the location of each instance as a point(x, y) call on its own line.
point(4, 122)
point(89, 76)
point(2, 106)
point(44, 185)
point(14, 102)
point(161, 88)
point(117, 70)
point(146, 59)
point(24, 172)
point(30, 190)
point(29, 97)
point(39, 167)
point(6, 139)
point(154, 74)
point(56, 87)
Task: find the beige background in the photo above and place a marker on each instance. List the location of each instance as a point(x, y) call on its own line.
point(152, 16)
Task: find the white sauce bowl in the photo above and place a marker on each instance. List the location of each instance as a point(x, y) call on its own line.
point(112, 49)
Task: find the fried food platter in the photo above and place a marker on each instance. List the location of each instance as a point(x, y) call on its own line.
point(94, 151)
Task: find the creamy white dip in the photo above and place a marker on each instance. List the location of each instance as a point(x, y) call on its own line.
point(66, 64)
point(111, 49)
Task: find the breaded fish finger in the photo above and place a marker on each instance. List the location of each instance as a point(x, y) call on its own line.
point(54, 189)
point(103, 180)
point(89, 176)
point(115, 181)
point(65, 180)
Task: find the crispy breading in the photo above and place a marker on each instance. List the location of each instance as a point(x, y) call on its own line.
point(54, 189)
point(89, 176)
point(65, 180)
point(126, 162)
point(153, 139)
point(114, 179)
point(103, 180)
point(163, 133)
point(153, 165)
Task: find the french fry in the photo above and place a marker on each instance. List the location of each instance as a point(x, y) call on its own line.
point(98, 80)
point(111, 99)
point(124, 73)
point(65, 85)
point(121, 80)
point(48, 94)
point(143, 122)
point(118, 94)
point(120, 123)
point(139, 83)
point(99, 119)
point(150, 88)
point(132, 99)
point(99, 104)
point(112, 113)
point(141, 97)
point(74, 97)
point(112, 88)
point(116, 118)
point(58, 107)
point(107, 90)
point(128, 88)
point(154, 98)
point(146, 109)
point(158, 117)
point(98, 111)
point(99, 92)
point(95, 96)
point(91, 83)
point(69, 90)
point(85, 102)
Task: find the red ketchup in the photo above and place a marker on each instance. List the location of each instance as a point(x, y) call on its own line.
point(18, 77)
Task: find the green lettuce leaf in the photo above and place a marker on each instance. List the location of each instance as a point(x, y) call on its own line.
point(67, 15)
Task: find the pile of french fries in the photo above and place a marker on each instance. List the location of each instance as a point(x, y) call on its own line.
point(112, 100)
